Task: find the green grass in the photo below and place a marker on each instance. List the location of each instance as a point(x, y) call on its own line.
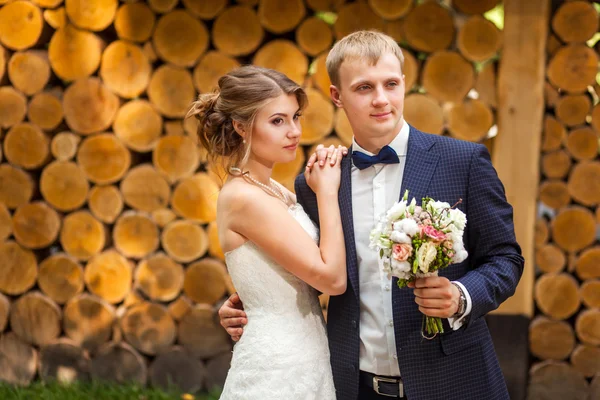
point(93, 391)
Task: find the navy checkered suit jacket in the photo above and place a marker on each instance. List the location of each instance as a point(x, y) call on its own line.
point(458, 364)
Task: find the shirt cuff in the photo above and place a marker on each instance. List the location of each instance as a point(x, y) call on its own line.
point(457, 323)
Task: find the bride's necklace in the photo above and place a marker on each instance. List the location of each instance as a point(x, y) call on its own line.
point(273, 190)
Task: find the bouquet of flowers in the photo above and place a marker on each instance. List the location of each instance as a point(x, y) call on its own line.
point(417, 241)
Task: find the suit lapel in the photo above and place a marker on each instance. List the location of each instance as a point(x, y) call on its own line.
point(420, 165)
point(345, 201)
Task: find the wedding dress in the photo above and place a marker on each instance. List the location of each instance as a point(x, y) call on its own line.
point(283, 352)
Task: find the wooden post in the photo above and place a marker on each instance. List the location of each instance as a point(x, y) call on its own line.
point(520, 119)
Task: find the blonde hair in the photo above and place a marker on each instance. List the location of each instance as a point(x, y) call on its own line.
point(240, 95)
point(369, 45)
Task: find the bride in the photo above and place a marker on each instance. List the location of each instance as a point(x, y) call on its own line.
point(272, 249)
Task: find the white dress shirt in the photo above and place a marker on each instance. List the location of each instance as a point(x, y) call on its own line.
point(374, 190)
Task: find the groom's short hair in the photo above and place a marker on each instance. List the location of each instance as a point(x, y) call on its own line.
point(368, 45)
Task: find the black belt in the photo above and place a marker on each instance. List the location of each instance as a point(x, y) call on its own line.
point(383, 385)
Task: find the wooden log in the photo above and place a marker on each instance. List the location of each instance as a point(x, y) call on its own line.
point(280, 16)
point(175, 157)
point(343, 128)
point(214, 245)
point(205, 9)
point(595, 387)
point(590, 293)
point(17, 186)
point(554, 380)
point(557, 295)
point(237, 31)
point(479, 39)
point(469, 120)
point(25, 145)
point(93, 15)
point(103, 158)
point(195, 198)
point(584, 183)
point(395, 29)
point(556, 164)
point(286, 173)
point(177, 368)
point(211, 67)
point(217, 368)
point(174, 128)
point(5, 223)
point(554, 193)
point(125, 69)
point(542, 232)
point(447, 76)
point(89, 106)
point(587, 326)
point(283, 56)
point(582, 144)
point(29, 71)
point(549, 258)
point(184, 240)
point(429, 27)
point(180, 39)
point(205, 281)
point(45, 111)
point(60, 277)
point(35, 225)
point(317, 121)
point(88, 321)
point(574, 228)
point(573, 68)
point(162, 6)
point(21, 25)
point(19, 268)
point(573, 109)
point(134, 22)
point(82, 236)
point(201, 335)
point(554, 134)
point(74, 53)
point(135, 235)
point(596, 118)
point(138, 125)
point(316, 5)
point(314, 36)
point(159, 277)
point(587, 265)
point(4, 311)
point(145, 189)
point(474, 6)
point(35, 318)
point(410, 70)
point(13, 107)
point(106, 203)
point(56, 18)
point(64, 145)
point(171, 90)
point(119, 363)
point(391, 10)
point(64, 361)
point(63, 185)
point(551, 340)
point(18, 360)
point(575, 21)
point(586, 360)
point(356, 16)
point(180, 307)
point(108, 275)
point(320, 78)
point(3, 58)
point(553, 44)
point(424, 113)
point(163, 216)
point(485, 84)
point(148, 327)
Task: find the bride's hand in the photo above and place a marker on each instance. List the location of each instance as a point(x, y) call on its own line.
point(322, 153)
point(326, 179)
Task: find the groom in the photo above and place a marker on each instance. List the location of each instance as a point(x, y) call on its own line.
point(374, 328)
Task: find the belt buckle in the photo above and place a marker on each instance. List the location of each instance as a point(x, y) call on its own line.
point(377, 379)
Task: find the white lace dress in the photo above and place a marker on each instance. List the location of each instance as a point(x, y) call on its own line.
point(283, 353)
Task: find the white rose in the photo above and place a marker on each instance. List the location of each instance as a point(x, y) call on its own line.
point(458, 218)
point(426, 254)
point(400, 237)
point(398, 210)
point(407, 225)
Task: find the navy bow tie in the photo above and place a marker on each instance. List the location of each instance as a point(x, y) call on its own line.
point(387, 155)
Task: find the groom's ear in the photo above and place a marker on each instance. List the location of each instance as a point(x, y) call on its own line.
point(335, 96)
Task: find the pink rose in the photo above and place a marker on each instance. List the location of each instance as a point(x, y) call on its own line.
point(433, 233)
point(402, 251)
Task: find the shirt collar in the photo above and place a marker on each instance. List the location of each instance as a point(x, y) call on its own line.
point(399, 143)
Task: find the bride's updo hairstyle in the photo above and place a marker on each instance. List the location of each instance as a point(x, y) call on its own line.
point(240, 95)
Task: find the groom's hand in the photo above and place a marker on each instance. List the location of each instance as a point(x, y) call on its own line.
point(436, 296)
point(233, 317)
